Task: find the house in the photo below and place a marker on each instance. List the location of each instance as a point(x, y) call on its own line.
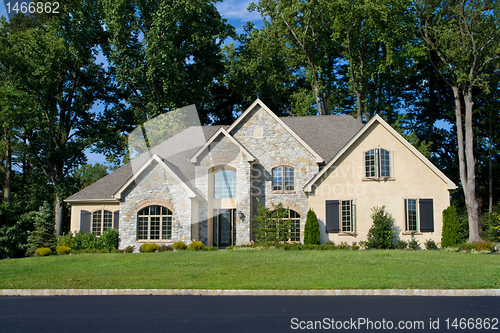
point(210, 192)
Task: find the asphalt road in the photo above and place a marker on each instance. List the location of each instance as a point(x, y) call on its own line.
point(61, 314)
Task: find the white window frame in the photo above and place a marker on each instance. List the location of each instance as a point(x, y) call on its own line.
point(148, 217)
point(226, 187)
point(407, 215)
point(350, 204)
point(97, 223)
point(284, 184)
point(377, 154)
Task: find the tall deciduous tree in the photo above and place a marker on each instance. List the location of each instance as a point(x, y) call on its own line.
point(466, 37)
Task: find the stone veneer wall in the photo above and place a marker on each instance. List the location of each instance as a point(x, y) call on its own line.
point(154, 186)
point(276, 147)
point(223, 152)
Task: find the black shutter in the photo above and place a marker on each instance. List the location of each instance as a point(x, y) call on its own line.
point(116, 218)
point(426, 215)
point(85, 221)
point(332, 216)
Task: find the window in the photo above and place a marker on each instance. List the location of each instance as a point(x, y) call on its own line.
point(225, 184)
point(340, 216)
point(102, 220)
point(347, 216)
point(419, 214)
point(377, 163)
point(283, 178)
point(154, 222)
point(411, 214)
point(295, 229)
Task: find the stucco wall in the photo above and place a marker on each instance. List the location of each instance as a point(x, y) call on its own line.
point(76, 209)
point(412, 179)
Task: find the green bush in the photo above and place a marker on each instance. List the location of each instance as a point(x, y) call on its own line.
point(488, 227)
point(311, 229)
point(381, 233)
point(401, 244)
point(451, 227)
point(466, 247)
point(179, 245)
point(413, 244)
point(43, 251)
point(272, 225)
point(166, 248)
point(67, 240)
point(109, 239)
point(129, 249)
point(150, 247)
point(431, 245)
point(85, 241)
point(196, 246)
point(355, 247)
point(61, 249)
point(342, 246)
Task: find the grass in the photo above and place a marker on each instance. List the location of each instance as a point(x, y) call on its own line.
point(271, 269)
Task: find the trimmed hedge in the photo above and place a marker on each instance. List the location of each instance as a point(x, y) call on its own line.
point(451, 227)
point(311, 230)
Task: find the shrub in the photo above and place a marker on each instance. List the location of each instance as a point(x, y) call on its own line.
point(150, 247)
point(179, 245)
point(431, 245)
point(401, 244)
point(342, 246)
point(129, 249)
point(44, 233)
point(166, 248)
point(109, 239)
point(85, 241)
point(63, 250)
point(196, 246)
point(413, 244)
point(311, 229)
point(483, 246)
point(66, 240)
point(381, 233)
point(355, 247)
point(488, 227)
point(466, 247)
point(451, 227)
point(43, 251)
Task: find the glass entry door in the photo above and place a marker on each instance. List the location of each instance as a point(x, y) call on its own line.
point(224, 227)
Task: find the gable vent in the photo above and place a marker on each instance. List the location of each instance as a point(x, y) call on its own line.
point(258, 132)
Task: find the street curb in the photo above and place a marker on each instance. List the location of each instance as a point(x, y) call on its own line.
point(262, 292)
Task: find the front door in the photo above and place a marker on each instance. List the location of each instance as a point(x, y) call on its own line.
point(223, 227)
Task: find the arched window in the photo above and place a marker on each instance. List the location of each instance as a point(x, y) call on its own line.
point(377, 163)
point(283, 179)
point(225, 184)
point(102, 220)
point(154, 222)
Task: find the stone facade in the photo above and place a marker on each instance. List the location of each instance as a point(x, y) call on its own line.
point(155, 186)
point(276, 147)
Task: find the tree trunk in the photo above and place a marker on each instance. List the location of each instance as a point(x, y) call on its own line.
point(470, 194)
point(8, 167)
point(59, 214)
point(490, 167)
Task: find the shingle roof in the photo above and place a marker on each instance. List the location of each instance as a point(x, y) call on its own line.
point(326, 135)
point(175, 152)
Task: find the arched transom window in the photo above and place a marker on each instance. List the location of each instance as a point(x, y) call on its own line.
point(154, 222)
point(102, 220)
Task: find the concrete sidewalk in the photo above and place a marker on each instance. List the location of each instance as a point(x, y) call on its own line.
point(262, 292)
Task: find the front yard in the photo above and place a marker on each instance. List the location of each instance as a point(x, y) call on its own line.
point(266, 269)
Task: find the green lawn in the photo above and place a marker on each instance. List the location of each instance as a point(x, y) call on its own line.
point(270, 269)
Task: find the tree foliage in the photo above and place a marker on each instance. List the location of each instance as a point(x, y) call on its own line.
point(382, 231)
point(311, 229)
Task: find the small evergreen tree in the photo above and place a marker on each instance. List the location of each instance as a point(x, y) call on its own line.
point(381, 233)
point(44, 233)
point(311, 230)
point(451, 227)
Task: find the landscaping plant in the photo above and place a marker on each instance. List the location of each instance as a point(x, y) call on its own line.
point(44, 233)
point(381, 233)
point(311, 229)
